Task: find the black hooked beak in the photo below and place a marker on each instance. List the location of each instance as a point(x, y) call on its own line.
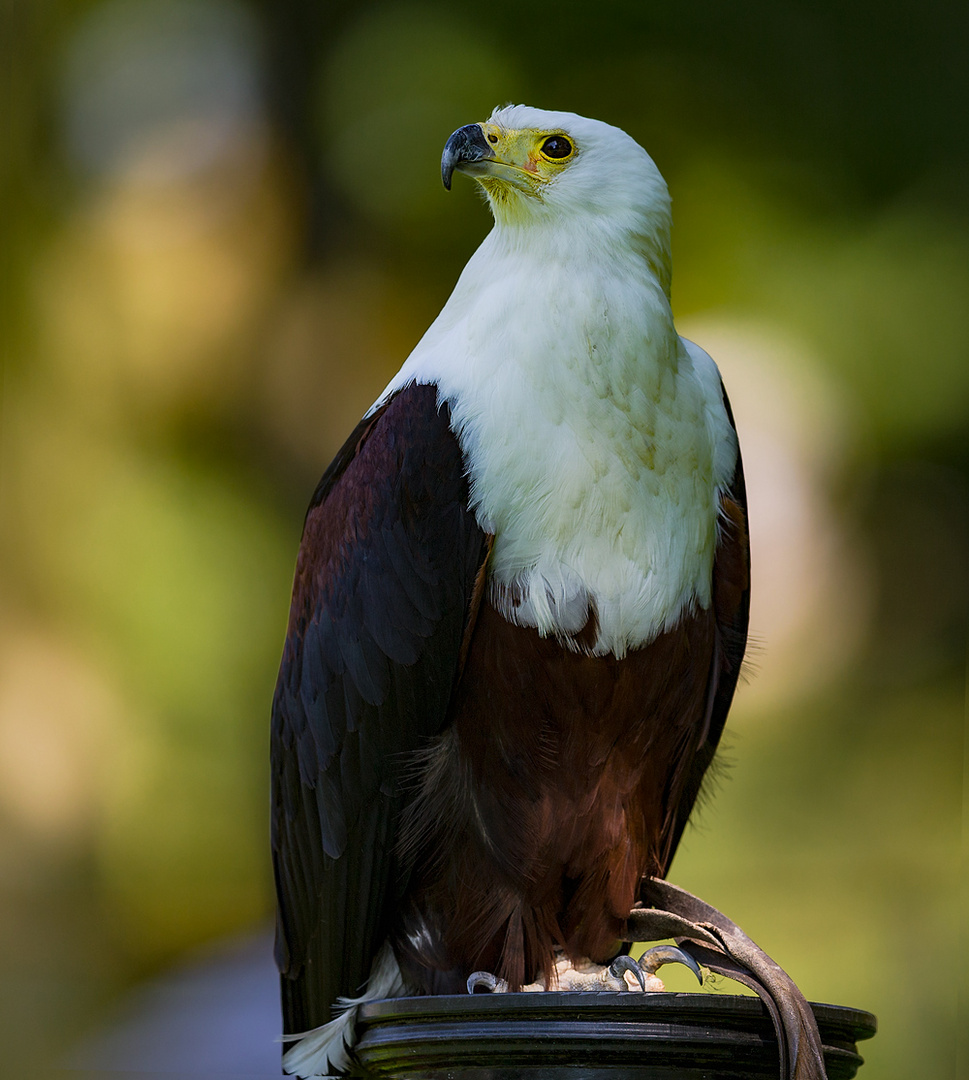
point(467, 144)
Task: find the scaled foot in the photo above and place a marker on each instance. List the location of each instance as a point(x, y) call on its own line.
point(623, 973)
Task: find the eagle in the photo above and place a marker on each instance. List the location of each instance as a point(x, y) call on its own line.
point(519, 610)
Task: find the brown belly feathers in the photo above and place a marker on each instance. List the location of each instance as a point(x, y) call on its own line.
point(547, 798)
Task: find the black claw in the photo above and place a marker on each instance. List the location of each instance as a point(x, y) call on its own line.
point(653, 959)
point(624, 963)
point(487, 980)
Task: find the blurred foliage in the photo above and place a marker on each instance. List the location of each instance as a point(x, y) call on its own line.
point(223, 230)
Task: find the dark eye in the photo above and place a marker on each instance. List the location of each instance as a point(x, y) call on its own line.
point(556, 146)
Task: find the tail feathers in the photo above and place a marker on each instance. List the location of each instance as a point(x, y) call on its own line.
point(325, 1051)
point(322, 1052)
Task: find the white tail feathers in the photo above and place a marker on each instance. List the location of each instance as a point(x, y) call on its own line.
point(325, 1050)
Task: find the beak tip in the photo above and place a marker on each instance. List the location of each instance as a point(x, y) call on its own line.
point(466, 145)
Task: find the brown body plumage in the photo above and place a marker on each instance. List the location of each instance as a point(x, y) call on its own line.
point(560, 782)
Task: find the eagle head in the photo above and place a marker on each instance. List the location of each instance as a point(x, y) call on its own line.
point(558, 168)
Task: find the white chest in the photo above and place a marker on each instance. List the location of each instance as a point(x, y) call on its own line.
point(597, 445)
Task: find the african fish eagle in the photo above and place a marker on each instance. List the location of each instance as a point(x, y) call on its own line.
point(519, 610)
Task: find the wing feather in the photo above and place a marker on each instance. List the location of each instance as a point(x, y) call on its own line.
point(381, 603)
point(731, 606)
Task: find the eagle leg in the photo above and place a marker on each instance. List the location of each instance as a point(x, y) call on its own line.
point(720, 944)
point(622, 974)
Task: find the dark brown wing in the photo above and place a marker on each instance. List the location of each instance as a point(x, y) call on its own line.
point(381, 602)
point(731, 606)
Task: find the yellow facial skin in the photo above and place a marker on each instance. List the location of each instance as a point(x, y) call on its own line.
point(523, 161)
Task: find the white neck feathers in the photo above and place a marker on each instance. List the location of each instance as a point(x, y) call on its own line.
point(596, 439)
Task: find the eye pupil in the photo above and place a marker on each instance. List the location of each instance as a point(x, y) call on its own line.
point(556, 146)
